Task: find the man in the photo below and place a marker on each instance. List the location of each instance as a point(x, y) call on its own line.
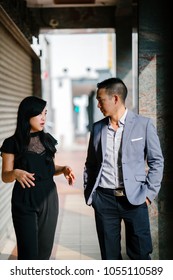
point(123, 173)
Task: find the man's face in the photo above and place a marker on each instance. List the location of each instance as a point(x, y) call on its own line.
point(106, 103)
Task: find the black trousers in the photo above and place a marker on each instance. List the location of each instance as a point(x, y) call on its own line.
point(35, 214)
point(109, 213)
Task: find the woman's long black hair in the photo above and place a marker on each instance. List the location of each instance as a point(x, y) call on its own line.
point(29, 107)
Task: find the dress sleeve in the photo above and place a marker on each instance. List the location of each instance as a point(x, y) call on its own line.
point(52, 139)
point(8, 146)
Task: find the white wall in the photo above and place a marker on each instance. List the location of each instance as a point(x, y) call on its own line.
point(63, 111)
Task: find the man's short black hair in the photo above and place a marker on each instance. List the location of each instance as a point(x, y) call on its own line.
point(113, 85)
point(109, 82)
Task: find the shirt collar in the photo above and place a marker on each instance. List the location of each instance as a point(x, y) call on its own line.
point(123, 118)
point(121, 121)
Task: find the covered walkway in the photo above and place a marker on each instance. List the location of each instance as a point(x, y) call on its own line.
point(75, 235)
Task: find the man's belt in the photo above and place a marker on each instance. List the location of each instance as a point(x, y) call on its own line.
point(114, 192)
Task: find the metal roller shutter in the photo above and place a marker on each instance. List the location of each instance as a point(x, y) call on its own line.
point(16, 64)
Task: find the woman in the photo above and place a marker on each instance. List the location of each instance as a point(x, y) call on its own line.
point(28, 159)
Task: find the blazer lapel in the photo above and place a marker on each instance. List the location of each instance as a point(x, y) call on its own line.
point(129, 123)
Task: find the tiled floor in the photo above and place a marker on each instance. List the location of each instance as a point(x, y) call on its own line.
point(75, 235)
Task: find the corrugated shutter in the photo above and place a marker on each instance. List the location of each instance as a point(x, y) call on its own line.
point(15, 84)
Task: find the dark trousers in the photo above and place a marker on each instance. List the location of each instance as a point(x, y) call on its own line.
point(109, 213)
point(35, 225)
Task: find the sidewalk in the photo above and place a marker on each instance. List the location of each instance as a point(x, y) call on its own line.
point(76, 234)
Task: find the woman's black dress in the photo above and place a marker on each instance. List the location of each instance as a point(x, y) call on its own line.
point(34, 209)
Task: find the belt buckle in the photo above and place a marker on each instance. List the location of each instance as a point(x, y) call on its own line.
point(119, 193)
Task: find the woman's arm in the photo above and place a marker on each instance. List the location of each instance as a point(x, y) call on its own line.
point(67, 171)
point(9, 174)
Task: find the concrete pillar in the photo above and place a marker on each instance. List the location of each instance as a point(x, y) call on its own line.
point(156, 101)
point(124, 48)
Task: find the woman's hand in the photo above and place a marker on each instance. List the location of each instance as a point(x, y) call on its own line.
point(25, 178)
point(69, 175)
point(67, 171)
point(9, 174)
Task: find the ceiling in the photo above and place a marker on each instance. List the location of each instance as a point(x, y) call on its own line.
point(81, 16)
point(68, 3)
point(56, 15)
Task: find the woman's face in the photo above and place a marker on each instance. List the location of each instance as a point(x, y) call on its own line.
point(37, 123)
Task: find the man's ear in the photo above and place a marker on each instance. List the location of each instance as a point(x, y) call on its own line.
point(116, 98)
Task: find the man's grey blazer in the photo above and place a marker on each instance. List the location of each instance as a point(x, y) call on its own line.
point(142, 159)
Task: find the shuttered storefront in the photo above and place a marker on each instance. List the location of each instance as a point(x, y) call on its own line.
point(16, 82)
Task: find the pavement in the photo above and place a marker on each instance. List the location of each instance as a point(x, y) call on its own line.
point(75, 237)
